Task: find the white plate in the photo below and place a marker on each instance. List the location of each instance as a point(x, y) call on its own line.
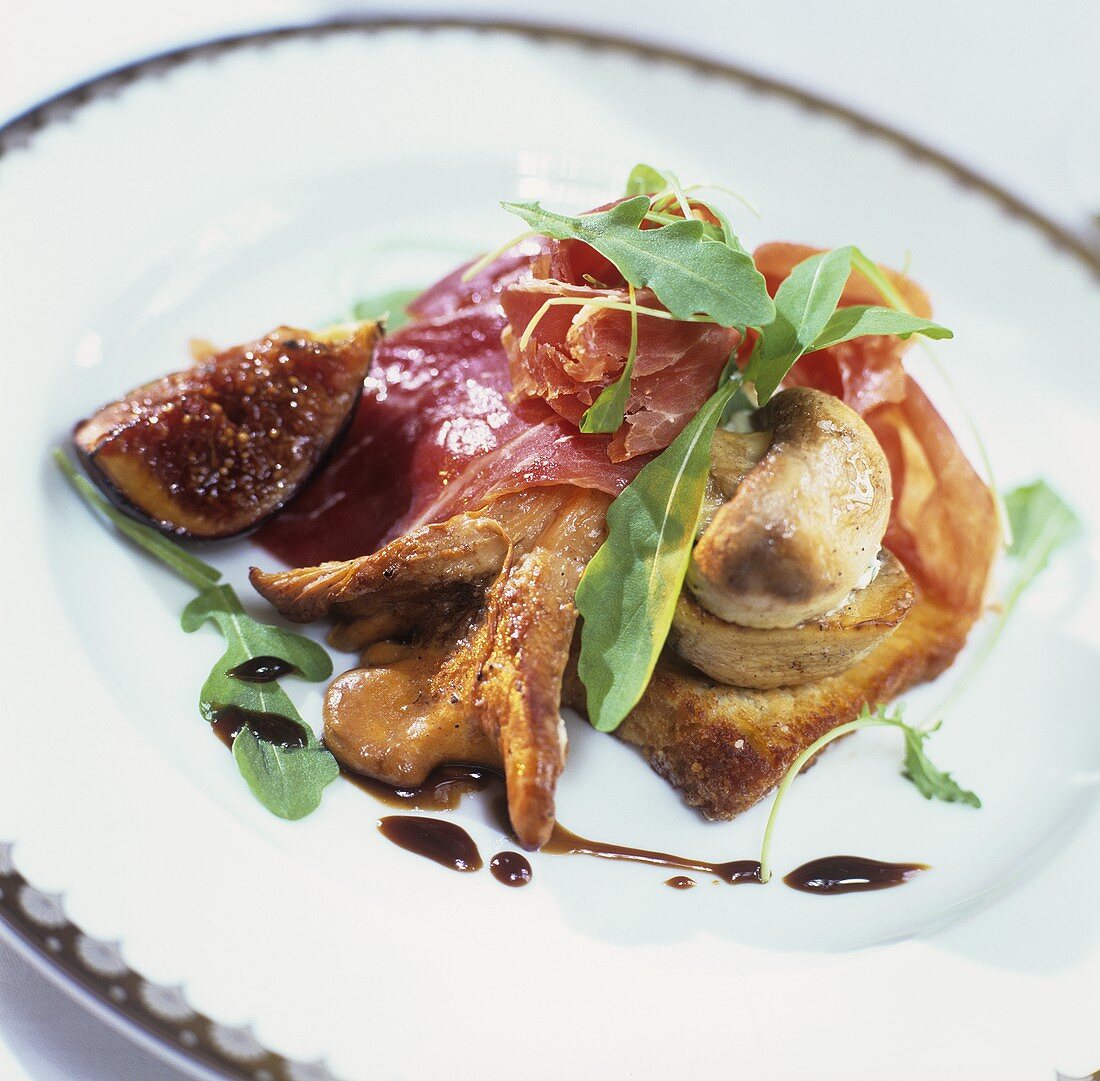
point(232, 188)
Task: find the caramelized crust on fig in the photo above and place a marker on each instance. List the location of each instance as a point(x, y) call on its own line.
point(212, 451)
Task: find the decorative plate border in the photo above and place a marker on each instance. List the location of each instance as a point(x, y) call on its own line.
point(160, 1017)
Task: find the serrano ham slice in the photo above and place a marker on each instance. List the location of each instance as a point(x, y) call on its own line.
point(438, 432)
point(576, 351)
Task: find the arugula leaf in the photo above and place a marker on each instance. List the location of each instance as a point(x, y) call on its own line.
point(246, 638)
point(644, 180)
point(608, 411)
point(929, 781)
point(187, 566)
point(804, 302)
point(627, 594)
point(392, 305)
point(807, 318)
point(287, 781)
point(1041, 521)
point(858, 321)
point(932, 783)
point(689, 274)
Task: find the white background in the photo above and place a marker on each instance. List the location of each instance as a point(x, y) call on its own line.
point(1009, 87)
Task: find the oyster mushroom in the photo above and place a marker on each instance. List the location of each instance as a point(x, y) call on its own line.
point(464, 631)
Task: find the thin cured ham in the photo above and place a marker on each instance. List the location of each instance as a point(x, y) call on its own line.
point(576, 351)
point(438, 431)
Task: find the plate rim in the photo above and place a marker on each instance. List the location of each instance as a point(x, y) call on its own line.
point(32, 922)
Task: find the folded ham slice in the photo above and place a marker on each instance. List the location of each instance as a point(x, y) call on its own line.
point(577, 350)
point(439, 431)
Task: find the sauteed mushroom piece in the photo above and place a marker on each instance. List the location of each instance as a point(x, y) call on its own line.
point(787, 656)
point(804, 526)
point(464, 629)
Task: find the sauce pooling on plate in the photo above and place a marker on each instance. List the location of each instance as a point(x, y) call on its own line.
point(850, 874)
point(510, 868)
point(680, 882)
point(442, 791)
point(564, 842)
point(444, 842)
point(450, 845)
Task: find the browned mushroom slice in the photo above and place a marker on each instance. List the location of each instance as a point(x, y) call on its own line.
point(465, 630)
point(213, 450)
point(804, 525)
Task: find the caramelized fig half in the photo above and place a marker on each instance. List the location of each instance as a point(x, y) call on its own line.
point(212, 451)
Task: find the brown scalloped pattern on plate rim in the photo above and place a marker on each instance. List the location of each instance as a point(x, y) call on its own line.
point(38, 919)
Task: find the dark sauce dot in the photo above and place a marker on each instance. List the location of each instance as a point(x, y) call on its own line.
point(510, 868)
point(443, 842)
point(262, 669)
point(680, 882)
point(850, 874)
point(269, 727)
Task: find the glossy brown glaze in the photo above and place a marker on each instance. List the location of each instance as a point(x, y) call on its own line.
point(564, 842)
point(850, 874)
point(262, 670)
point(443, 842)
point(270, 727)
point(442, 791)
point(213, 450)
point(510, 868)
point(680, 882)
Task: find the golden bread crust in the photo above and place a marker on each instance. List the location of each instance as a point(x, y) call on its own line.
point(726, 747)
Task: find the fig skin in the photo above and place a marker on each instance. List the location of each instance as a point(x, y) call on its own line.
point(213, 451)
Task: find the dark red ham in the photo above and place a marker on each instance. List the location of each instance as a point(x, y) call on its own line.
point(576, 351)
point(437, 432)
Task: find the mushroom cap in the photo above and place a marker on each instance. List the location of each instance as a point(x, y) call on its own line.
point(789, 656)
point(804, 526)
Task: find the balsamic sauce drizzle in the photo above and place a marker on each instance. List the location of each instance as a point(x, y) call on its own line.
point(511, 868)
point(568, 843)
point(850, 874)
point(444, 842)
point(262, 670)
point(442, 791)
point(271, 727)
point(680, 882)
point(452, 846)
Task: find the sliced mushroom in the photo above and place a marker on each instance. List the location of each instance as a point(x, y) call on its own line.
point(787, 656)
point(465, 630)
point(805, 523)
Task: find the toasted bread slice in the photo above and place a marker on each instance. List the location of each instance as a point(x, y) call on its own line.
point(726, 747)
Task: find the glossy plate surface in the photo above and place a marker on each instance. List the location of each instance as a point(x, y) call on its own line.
point(277, 181)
